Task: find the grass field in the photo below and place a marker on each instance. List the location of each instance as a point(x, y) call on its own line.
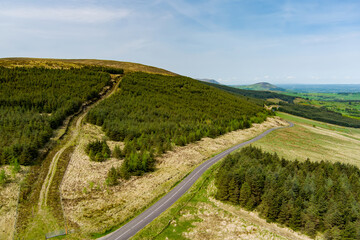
point(345, 103)
point(315, 140)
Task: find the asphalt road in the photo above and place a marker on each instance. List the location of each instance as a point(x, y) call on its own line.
point(135, 225)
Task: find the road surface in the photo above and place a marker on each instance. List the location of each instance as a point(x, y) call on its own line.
point(135, 225)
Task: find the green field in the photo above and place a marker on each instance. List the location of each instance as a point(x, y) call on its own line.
point(315, 140)
point(348, 104)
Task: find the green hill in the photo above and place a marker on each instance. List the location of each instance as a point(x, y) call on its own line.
point(262, 86)
point(152, 112)
point(36, 96)
point(208, 80)
point(35, 100)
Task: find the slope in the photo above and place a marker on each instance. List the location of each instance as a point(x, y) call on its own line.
point(261, 86)
point(68, 63)
point(152, 112)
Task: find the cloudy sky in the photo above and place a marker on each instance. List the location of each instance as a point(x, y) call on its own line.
point(233, 41)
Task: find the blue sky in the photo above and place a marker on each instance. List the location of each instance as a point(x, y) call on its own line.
point(233, 41)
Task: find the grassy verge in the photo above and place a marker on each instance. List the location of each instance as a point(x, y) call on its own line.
point(162, 226)
point(28, 212)
point(54, 199)
point(196, 215)
point(140, 210)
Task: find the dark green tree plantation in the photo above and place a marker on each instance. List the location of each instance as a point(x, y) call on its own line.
point(320, 114)
point(151, 113)
point(34, 101)
point(306, 196)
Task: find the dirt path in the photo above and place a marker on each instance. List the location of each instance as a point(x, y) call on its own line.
point(74, 133)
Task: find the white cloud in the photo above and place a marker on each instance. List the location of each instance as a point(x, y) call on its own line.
point(80, 15)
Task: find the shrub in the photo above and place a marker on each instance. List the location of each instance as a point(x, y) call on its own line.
point(98, 151)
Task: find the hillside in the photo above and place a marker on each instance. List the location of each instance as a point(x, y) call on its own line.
point(261, 86)
point(202, 216)
point(35, 101)
point(68, 63)
point(292, 105)
point(311, 197)
point(258, 97)
point(153, 112)
point(208, 80)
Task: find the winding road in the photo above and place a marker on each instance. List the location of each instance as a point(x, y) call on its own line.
point(135, 225)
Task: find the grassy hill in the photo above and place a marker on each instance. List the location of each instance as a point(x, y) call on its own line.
point(262, 86)
point(258, 97)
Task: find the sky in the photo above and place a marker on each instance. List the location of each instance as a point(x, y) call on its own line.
point(232, 41)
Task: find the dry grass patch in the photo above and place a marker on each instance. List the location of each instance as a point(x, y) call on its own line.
point(225, 221)
point(8, 202)
point(101, 207)
point(67, 63)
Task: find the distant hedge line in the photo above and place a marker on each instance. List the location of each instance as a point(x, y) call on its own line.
point(320, 114)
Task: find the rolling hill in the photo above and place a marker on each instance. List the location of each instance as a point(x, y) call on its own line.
point(262, 86)
point(153, 112)
point(150, 112)
point(208, 80)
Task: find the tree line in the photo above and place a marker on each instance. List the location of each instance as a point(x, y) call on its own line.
point(312, 197)
point(35, 101)
point(151, 113)
point(320, 114)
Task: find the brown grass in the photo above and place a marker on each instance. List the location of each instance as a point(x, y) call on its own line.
point(101, 207)
point(66, 63)
point(8, 202)
point(224, 221)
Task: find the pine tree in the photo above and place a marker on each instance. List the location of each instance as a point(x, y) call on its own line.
point(112, 177)
point(117, 153)
point(15, 166)
point(245, 194)
point(3, 177)
point(234, 191)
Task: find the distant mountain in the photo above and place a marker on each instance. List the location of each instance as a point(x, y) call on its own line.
point(262, 86)
point(208, 80)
